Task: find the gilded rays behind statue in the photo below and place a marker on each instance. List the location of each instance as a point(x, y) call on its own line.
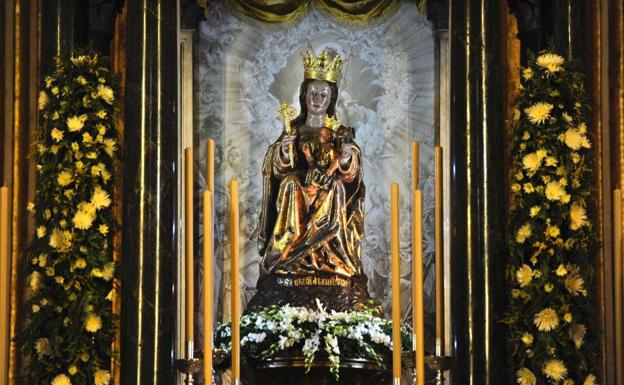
point(312, 219)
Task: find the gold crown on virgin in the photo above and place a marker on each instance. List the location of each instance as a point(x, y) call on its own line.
point(322, 67)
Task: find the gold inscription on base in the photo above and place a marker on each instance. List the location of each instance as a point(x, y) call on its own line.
point(314, 281)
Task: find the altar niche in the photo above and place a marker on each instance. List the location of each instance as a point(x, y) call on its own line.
point(246, 69)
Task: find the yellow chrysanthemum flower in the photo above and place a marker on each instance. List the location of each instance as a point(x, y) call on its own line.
point(551, 62)
point(60, 240)
point(103, 229)
point(93, 323)
point(552, 231)
point(523, 233)
point(539, 112)
point(574, 284)
point(106, 93)
point(34, 281)
point(548, 287)
point(81, 263)
point(578, 216)
point(551, 161)
point(577, 335)
point(525, 377)
point(527, 338)
point(72, 370)
point(532, 162)
point(75, 123)
point(568, 382)
point(102, 377)
point(82, 220)
point(546, 320)
point(109, 147)
point(590, 380)
point(61, 379)
point(566, 117)
point(42, 100)
point(101, 114)
point(527, 73)
point(56, 134)
point(534, 211)
point(555, 369)
point(109, 271)
point(64, 178)
point(528, 188)
point(87, 138)
point(567, 317)
point(554, 191)
point(561, 270)
point(100, 199)
point(573, 138)
point(42, 347)
point(524, 275)
point(41, 231)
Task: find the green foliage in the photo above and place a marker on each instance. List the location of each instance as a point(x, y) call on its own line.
point(552, 338)
point(70, 325)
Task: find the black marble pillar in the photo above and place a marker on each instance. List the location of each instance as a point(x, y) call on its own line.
point(478, 185)
point(563, 25)
point(58, 30)
point(148, 271)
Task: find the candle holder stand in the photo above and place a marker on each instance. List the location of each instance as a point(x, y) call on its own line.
point(439, 365)
point(189, 366)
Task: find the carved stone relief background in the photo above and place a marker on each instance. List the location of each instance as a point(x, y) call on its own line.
point(245, 69)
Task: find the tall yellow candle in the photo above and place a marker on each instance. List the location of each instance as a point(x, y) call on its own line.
point(208, 288)
point(234, 228)
point(418, 312)
point(618, 283)
point(415, 165)
point(439, 256)
point(210, 165)
point(5, 268)
point(396, 278)
point(188, 246)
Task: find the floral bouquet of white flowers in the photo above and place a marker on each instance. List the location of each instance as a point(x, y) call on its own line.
point(276, 330)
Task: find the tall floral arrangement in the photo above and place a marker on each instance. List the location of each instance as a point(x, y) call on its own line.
point(553, 243)
point(70, 324)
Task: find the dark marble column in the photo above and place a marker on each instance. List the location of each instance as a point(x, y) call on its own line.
point(148, 307)
point(58, 32)
point(478, 185)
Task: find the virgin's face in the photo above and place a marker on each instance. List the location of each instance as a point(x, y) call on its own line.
point(318, 97)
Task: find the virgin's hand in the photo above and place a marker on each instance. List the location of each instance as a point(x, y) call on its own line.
point(287, 142)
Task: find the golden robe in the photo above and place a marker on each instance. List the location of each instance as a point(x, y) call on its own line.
point(299, 236)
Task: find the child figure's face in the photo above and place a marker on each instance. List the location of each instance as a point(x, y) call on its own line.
point(324, 135)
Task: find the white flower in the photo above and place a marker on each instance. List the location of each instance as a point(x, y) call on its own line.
point(331, 344)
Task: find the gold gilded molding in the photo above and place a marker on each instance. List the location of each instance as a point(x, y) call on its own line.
point(119, 68)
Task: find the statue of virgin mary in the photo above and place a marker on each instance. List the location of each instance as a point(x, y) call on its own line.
point(311, 228)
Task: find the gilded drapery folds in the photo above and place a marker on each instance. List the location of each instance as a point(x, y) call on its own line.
point(284, 11)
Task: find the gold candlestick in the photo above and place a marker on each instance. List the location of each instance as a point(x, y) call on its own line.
point(5, 268)
point(234, 228)
point(418, 294)
point(618, 283)
point(208, 289)
point(415, 165)
point(396, 281)
point(188, 247)
point(439, 257)
point(210, 165)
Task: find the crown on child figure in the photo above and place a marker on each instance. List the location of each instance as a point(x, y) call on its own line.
point(331, 122)
point(322, 67)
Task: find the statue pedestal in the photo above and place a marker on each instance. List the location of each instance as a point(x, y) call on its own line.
point(291, 371)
